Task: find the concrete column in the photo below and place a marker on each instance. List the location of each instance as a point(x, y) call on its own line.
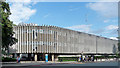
point(53, 57)
point(32, 40)
point(22, 47)
point(35, 57)
point(27, 39)
point(20, 38)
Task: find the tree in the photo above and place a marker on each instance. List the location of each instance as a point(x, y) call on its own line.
point(118, 44)
point(118, 54)
point(7, 27)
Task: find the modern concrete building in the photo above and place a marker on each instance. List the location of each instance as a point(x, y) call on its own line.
point(36, 41)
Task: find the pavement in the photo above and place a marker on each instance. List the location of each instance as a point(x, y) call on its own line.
point(111, 64)
point(25, 63)
point(39, 62)
point(54, 62)
point(32, 64)
point(47, 62)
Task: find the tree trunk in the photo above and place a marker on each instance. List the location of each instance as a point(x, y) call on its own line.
point(8, 51)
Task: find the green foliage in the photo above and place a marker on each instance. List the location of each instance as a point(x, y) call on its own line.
point(99, 57)
point(118, 43)
point(67, 58)
point(7, 59)
point(7, 26)
point(118, 46)
point(103, 57)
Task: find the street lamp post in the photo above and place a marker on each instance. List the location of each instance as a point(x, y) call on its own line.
point(96, 47)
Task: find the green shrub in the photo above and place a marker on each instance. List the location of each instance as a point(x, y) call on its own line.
point(7, 59)
point(67, 58)
point(103, 57)
point(99, 57)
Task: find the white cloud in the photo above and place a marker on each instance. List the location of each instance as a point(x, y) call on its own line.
point(72, 0)
point(110, 21)
point(21, 1)
point(82, 28)
point(106, 9)
point(45, 16)
point(21, 11)
point(112, 27)
point(98, 31)
point(114, 38)
point(112, 30)
point(106, 21)
point(107, 31)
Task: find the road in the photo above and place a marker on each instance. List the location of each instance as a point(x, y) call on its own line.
point(112, 64)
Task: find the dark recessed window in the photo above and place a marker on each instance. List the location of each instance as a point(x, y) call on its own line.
point(89, 34)
point(79, 32)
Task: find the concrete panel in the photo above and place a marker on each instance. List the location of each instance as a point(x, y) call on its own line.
point(52, 39)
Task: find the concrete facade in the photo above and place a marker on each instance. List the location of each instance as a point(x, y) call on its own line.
point(55, 40)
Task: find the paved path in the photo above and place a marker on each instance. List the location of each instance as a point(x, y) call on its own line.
point(42, 63)
point(60, 65)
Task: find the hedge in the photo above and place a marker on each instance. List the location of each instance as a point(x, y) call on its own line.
point(102, 57)
point(7, 59)
point(76, 58)
point(67, 58)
